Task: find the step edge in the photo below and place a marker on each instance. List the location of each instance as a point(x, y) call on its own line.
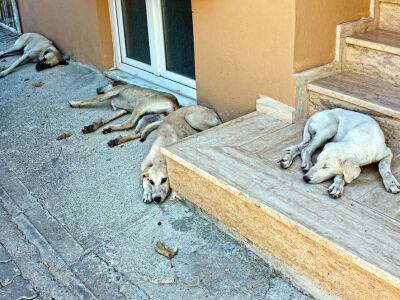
point(298, 279)
point(338, 249)
point(314, 87)
point(390, 1)
point(373, 45)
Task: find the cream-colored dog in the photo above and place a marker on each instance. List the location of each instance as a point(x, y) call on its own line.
point(34, 48)
point(179, 124)
point(128, 98)
point(356, 140)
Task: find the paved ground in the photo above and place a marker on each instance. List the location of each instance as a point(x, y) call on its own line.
point(72, 221)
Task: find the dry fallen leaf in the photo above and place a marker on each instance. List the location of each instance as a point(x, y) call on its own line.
point(46, 265)
point(38, 84)
point(164, 250)
point(64, 136)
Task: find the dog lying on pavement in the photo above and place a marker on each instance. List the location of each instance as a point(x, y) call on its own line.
point(176, 126)
point(35, 48)
point(356, 140)
point(128, 99)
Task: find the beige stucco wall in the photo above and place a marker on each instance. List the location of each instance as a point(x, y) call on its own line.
point(242, 50)
point(80, 28)
point(316, 22)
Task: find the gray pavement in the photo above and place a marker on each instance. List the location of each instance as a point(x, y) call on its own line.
point(72, 223)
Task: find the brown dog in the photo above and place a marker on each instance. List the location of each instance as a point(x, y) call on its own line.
point(35, 48)
point(176, 126)
point(129, 99)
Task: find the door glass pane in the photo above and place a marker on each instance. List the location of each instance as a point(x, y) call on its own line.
point(136, 31)
point(178, 36)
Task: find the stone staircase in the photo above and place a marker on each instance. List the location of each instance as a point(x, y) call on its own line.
point(370, 77)
point(347, 248)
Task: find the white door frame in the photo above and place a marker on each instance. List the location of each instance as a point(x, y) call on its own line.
point(16, 19)
point(156, 72)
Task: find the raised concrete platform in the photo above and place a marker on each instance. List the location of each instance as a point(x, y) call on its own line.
point(347, 247)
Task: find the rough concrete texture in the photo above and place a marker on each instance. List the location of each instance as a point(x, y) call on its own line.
point(71, 214)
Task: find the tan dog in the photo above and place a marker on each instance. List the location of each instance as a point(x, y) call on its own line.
point(176, 126)
point(34, 48)
point(128, 98)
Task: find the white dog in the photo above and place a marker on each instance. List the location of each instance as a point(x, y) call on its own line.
point(177, 125)
point(35, 48)
point(356, 141)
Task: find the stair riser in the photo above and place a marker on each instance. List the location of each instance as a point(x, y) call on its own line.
point(389, 16)
point(286, 242)
point(374, 63)
point(390, 126)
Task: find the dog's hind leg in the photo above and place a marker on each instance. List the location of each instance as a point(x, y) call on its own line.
point(21, 60)
point(130, 123)
point(293, 151)
point(103, 121)
point(140, 132)
point(390, 182)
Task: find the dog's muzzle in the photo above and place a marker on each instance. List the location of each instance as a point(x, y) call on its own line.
point(40, 66)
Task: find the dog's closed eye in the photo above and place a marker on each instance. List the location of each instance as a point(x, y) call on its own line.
point(164, 180)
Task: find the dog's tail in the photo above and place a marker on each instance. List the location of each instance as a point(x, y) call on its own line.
point(173, 99)
point(306, 133)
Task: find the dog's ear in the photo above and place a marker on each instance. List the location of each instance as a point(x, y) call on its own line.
point(144, 174)
point(350, 170)
point(63, 62)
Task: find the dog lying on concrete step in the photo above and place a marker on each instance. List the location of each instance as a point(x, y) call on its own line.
point(179, 124)
point(355, 140)
point(34, 48)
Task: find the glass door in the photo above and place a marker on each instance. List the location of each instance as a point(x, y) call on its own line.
point(156, 36)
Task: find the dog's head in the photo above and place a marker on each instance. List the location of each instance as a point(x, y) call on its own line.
point(50, 58)
point(156, 178)
point(108, 87)
point(331, 163)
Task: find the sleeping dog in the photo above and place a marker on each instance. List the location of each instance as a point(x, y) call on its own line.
point(35, 48)
point(177, 125)
point(355, 139)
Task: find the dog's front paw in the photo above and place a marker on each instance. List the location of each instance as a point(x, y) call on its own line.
point(306, 166)
point(147, 197)
point(392, 185)
point(107, 130)
point(89, 129)
point(336, 191)
point(2, 74)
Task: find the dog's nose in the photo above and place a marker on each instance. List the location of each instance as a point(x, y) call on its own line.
point(157, 199)
point(306, 178)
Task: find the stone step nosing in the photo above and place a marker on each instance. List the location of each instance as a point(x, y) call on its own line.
point(355, 101)
point(373, 45)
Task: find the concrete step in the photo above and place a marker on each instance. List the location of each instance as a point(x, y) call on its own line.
point(346, 248)
point(357, 92)
point(389, 15)
point(374, 53)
